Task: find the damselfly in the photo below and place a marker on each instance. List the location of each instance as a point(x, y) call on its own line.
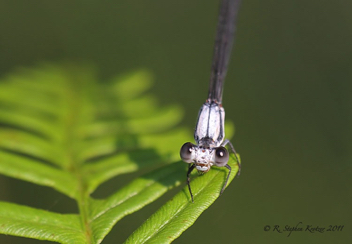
point(209, 133)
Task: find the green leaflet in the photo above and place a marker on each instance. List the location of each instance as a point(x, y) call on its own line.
point(62, 128)
point(43, 225)
point(180, 213)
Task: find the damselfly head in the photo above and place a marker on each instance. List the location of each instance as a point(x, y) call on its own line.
point(202, 157)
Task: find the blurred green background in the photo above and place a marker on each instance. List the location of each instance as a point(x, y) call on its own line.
point(288, 91)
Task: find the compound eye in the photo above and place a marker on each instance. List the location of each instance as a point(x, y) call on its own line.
point(186, 152)
point(221, 156)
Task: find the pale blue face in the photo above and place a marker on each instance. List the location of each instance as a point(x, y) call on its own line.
point(203, 158)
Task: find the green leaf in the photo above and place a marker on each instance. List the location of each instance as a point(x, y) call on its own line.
point(43, 225)
point(62, 128)
point(180, 213)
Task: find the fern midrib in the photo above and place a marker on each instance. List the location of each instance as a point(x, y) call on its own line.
point(72, 121)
